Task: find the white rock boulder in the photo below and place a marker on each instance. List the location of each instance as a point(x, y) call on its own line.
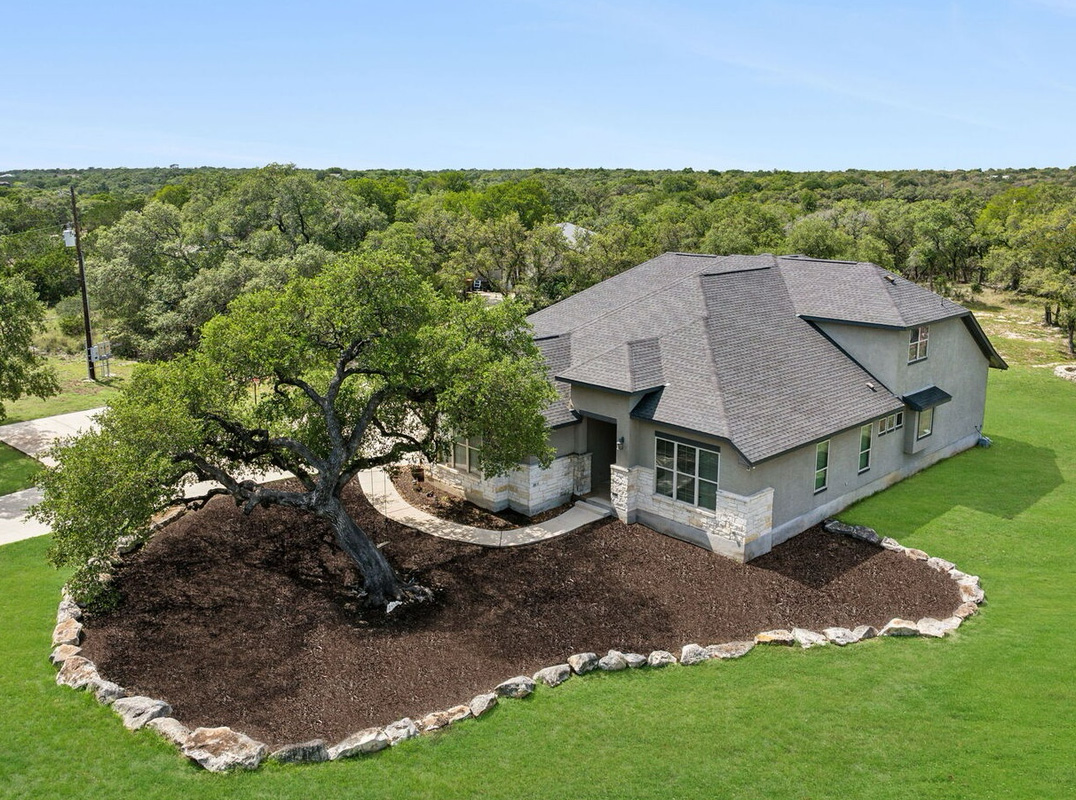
point(222, 749)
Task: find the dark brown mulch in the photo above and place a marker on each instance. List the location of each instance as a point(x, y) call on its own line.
point(246, 621)
point(434, 500)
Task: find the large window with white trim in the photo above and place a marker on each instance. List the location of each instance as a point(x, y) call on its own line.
point(917, 344)
point(866, 432)
point(686, 472)
point(821, 466)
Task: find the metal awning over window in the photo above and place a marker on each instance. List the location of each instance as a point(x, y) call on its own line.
point(926, 398)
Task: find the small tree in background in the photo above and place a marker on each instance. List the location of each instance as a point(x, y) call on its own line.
point(22, 372)
point(360, 365)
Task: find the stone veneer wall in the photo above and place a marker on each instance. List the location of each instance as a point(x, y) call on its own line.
point(529, 489)
point(729, 530)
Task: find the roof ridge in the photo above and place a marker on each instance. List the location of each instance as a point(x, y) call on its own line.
point(642, 297)
point(625, 345)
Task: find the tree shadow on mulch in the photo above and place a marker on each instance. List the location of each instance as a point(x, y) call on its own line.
point(254, 622)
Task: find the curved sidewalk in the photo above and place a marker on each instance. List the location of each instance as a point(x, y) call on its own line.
point(378, 488)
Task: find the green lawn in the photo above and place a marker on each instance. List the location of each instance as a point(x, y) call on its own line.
point(16, 470)
point(986, 713)
point(76, 393)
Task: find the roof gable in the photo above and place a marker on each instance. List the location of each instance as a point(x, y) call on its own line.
point(860, 292)
point(724, 345)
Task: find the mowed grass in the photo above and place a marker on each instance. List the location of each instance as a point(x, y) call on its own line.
point(986, 713)
point(1015, 325)
point(16, 470)
point(76, 392)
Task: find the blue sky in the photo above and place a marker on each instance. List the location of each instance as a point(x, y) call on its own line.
point(752, 84)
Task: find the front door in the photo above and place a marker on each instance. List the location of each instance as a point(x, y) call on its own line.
point(601, 443)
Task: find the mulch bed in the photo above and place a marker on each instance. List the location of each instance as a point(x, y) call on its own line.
point(249, 621)
point(435, 500)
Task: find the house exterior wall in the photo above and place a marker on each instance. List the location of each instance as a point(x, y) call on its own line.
point(529, 490)
point(954, 363)
point(760, 505)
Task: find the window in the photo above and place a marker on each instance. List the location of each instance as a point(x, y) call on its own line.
point(686, 472)
point(917, 344)
point(465, 455)
point(890, 423)
point(821, 466)
point(926, 423)
point(865, 433)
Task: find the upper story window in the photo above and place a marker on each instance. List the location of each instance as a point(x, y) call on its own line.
point(686, 472)
point(465, 455)
point(821, 466)
point(917, 344)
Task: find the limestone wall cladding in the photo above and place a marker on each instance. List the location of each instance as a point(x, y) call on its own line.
point(529, 489)
point(737, 521)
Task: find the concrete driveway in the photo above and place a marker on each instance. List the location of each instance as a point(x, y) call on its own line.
point(34, 438)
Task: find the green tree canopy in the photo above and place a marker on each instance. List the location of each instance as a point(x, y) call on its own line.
point(364, 363)
point(21, 371)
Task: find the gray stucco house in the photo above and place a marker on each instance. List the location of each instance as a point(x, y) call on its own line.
point(734, 401)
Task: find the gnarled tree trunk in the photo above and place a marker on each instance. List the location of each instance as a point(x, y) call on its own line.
point(379, 579)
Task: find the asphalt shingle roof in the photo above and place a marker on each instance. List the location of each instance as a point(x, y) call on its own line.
point(861, 292)
point(724, 345)
point(557, 352)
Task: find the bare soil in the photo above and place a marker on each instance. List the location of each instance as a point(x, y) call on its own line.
point(253, 622)
point(435, 500)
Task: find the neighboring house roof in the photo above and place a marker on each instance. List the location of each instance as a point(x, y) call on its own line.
point(725, 345)
point(572, 232)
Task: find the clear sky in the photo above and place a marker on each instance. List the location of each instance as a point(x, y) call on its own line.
point(729, 84)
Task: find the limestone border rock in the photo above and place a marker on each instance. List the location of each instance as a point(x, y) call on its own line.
point(221, 749)
point(1066, 371)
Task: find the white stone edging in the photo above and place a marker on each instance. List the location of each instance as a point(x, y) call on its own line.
point(222, 749)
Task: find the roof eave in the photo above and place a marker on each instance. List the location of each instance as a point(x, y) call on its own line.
point(979, 335)
point(762, 459)
point(612, 389)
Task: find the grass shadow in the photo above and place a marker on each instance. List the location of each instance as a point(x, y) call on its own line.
point(1005, 481)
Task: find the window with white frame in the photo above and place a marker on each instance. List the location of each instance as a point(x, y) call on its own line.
point(866, 432)
point(890, 423)
point(917, 344)
point(464, 455)
point(686, 472)
point(821, 466)
point(925, 426)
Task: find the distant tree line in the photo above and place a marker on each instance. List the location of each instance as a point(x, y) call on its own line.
point(168, 249)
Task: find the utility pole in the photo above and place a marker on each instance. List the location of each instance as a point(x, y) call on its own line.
point(90, 371)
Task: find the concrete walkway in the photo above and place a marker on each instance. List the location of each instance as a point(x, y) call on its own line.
point(378, 488)
point(34, 438)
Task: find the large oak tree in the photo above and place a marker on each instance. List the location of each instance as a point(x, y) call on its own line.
point(357, 367)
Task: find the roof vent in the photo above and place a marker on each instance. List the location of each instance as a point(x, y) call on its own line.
point(892, 279)
point(872, 387)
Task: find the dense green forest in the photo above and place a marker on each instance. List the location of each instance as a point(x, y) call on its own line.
point(168, 248)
